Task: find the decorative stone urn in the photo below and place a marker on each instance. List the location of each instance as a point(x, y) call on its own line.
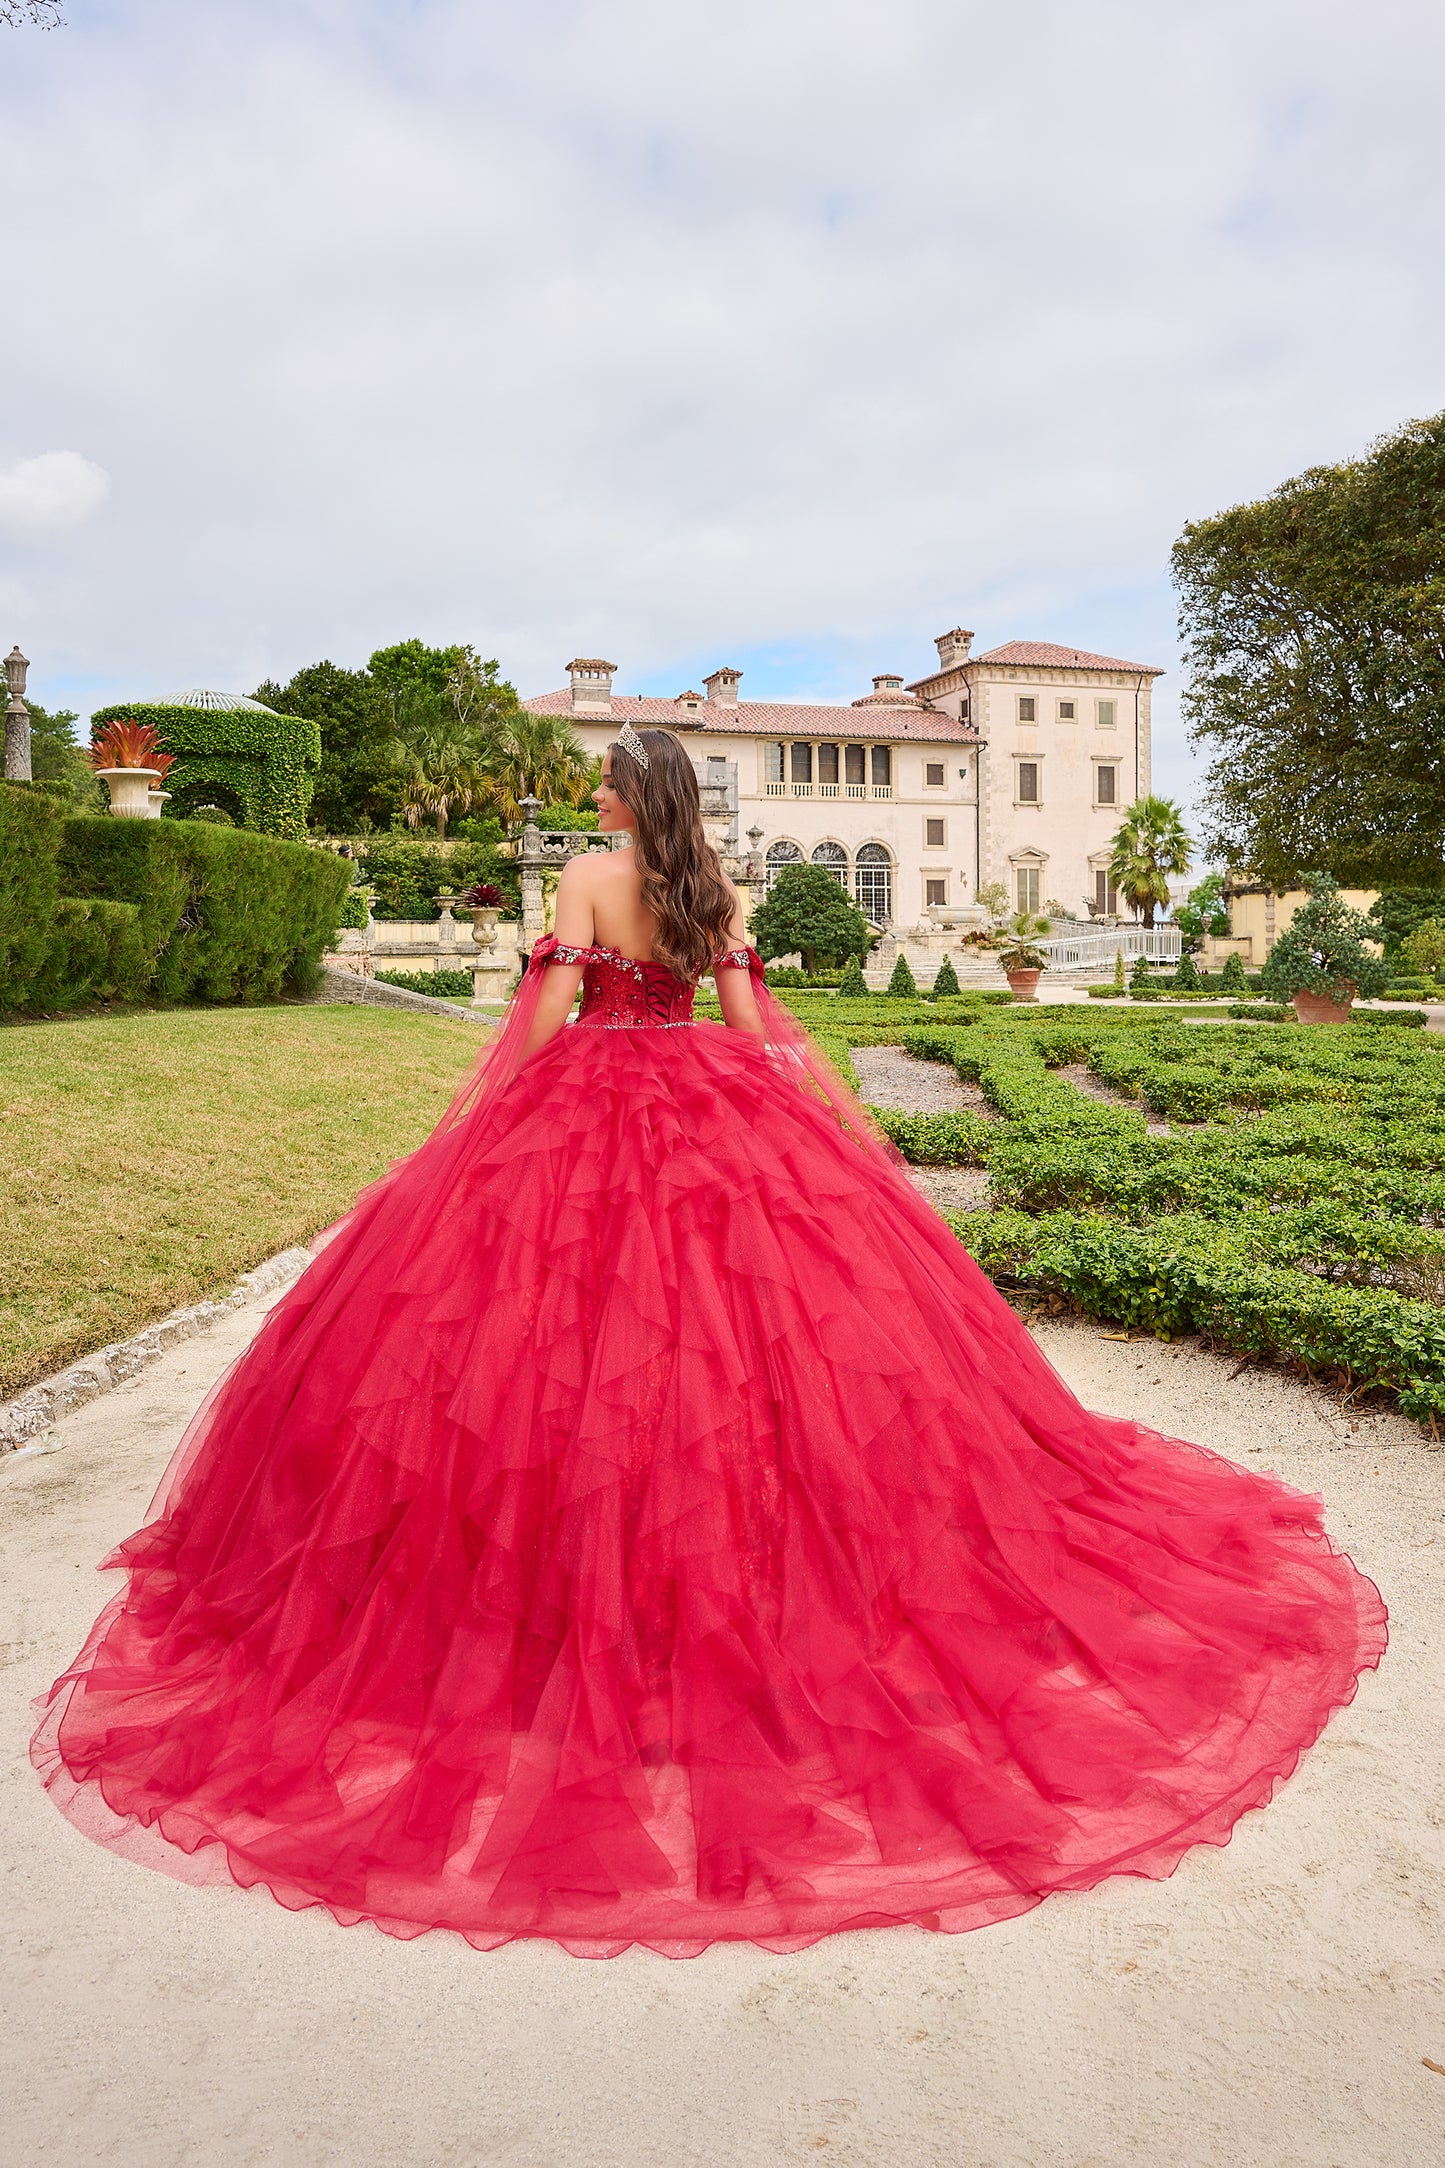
point(490, 975)
point(1024, 984)
point(156, 801)
point(130, 790)
point(1319, 1009)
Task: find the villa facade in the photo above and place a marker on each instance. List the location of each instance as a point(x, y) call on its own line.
point(1012, 767)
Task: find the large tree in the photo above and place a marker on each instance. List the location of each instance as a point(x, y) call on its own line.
point(1314, 626)
point(807, 913)
point(358, 785)
point(58, 760)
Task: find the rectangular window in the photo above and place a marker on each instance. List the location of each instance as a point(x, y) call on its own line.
point(1028, 790)
point(854, 766)
point(933, 835)
point(935, 892)
point(1106, 895)
point(1104, 711)
point(717, 769)
point(933, 774)
point(882, 765)
point(1026, 880)
point(1068, 711)
point(827, 763)
point(1028, 708)
point(801, 764)
point(1106, 784)
point(772, 764)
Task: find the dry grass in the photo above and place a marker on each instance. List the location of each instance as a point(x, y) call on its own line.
point(149, 1158)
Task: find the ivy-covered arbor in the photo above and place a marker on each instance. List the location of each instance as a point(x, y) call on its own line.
point(235, 753)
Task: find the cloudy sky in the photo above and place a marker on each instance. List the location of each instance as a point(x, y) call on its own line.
point(784, 333)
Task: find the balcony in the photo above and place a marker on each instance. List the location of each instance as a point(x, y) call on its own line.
point(827, 790)
point(776, 790)
point(857, 790)
point(883, 790)
point(801, 790)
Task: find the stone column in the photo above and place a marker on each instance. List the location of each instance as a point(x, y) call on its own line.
point(529, 868)
point(17, 720)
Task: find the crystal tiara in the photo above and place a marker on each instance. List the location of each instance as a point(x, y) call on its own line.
point(628, 737)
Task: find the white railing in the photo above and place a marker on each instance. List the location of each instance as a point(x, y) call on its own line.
point(776, 790)
point(857, 790)
point(883, 790)
point(1097, 948)
point(827, 790)
point(802, 790)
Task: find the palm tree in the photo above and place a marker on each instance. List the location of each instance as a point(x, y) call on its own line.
point(442, 766)
point(536, 756)
point(1150, 846)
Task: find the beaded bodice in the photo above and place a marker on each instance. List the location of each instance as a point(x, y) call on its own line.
point(624, 992)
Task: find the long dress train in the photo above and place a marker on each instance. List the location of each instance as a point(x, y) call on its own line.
point(643, 1523)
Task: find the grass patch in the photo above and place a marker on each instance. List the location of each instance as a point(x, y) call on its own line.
point(152, 1157)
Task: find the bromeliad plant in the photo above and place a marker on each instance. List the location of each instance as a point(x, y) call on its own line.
point(483, 897)
point(125, 743)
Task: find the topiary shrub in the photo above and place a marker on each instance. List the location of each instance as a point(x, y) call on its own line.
point(29, 827)
point(1324, 952)
point(96, 953)
point(852, 986)
point(223, 914)
point(1186, 979)
point(1232, 979)
point(806, 913)
point(1120, 983)
point(902, 982)
point(946, 982)
point(259, 766)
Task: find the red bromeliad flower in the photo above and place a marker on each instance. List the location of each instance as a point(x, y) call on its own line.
point(483, 897)
point(129, 744)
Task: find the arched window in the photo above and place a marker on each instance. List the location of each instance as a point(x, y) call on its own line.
point(780, 857)
point(873, 871)
point(835, 858)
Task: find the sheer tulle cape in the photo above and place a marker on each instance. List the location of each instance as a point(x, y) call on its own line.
point(642, 1523)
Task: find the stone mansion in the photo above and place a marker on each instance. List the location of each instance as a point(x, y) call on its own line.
point(1012, 766)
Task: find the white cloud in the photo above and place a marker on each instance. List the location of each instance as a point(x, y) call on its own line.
point(795, 329)
point(50, 494)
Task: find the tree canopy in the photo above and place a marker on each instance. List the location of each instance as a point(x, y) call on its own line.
point(806, 912)
point(1314, 628)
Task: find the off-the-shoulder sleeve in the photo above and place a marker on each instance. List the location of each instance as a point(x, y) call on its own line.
point(739, 959)
point(549, 950)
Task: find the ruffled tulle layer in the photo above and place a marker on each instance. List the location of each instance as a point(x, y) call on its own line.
point(643, 1524)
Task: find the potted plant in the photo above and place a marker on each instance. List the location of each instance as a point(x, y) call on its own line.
point(1325, 958)
point(1021, 960)
point(125, 757)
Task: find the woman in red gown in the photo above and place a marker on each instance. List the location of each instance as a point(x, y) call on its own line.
point(643, 1523)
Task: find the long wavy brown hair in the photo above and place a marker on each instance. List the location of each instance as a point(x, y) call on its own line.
point(682, 877)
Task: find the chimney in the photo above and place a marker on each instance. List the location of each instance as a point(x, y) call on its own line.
point(953, 647)
point(887, 683)
point(591, 685)
point(722, 688)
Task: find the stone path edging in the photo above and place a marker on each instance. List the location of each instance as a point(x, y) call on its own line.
point(26, 1421)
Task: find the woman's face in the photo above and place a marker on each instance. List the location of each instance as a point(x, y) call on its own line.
point(613, 813)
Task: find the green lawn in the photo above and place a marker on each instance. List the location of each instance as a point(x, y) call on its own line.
point(151, 1157)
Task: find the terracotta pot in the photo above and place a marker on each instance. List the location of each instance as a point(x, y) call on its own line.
point(1319, 1009)
point(1024, 984)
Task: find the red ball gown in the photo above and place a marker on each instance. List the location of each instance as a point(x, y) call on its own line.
point(643, 1523)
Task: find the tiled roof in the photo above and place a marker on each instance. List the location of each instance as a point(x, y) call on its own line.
point(1044, 655)
point(886, 700)
point(772, 719)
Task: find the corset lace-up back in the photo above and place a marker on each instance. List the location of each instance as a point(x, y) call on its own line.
point(625, 992)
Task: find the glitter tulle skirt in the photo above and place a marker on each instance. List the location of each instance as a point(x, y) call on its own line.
point(642, 1523)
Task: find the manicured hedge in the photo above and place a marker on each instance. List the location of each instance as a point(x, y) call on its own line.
point(456, 985)
point(265, 764)
point(29, 825)
point(165, 910)
point(1296, 1207)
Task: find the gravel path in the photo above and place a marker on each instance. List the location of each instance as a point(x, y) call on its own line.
point(1272, 2005)
point(891, 1078)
